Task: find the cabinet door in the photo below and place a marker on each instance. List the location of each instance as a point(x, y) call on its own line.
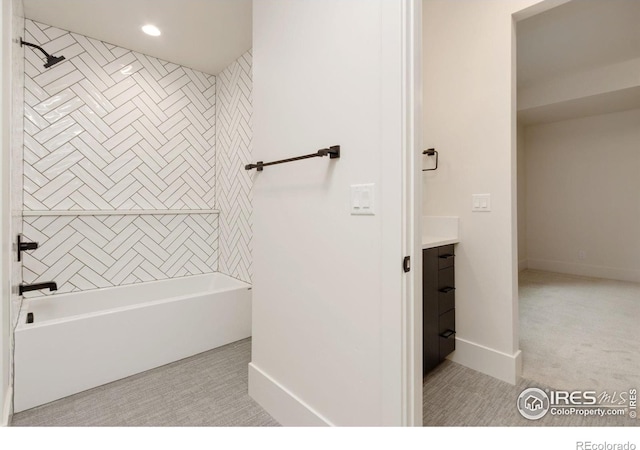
point(430, 325)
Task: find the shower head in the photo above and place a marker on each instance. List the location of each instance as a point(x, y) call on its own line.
point(51, 60)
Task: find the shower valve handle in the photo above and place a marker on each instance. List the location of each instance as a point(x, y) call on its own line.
point(22, 246)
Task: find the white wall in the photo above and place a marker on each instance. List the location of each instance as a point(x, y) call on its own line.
point(522, 200)
point(6, 214)
point(469, 117)
point(12, 24)
point(326, 298)
point(582, 190)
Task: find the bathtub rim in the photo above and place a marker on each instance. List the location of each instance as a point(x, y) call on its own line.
point(24, 308)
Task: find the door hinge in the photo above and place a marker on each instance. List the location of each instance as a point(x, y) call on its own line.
point(406, 264)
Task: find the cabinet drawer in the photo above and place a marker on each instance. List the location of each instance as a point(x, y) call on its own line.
point(446, 299)
point(445, 256)
point(446, 289)
point(446, 331)
point(446, 278)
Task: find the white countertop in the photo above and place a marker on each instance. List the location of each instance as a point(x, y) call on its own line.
point(437, 241)
point(439, 230)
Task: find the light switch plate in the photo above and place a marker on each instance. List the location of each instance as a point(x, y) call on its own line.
point(481, 203)
point(362, 199)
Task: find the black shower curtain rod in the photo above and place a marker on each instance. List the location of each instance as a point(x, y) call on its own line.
point(333, 152)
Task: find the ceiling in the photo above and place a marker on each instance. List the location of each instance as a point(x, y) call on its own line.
point(575, 37)
point(206, 35)
point(580, 34)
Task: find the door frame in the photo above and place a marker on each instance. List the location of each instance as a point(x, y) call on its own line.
point(412, 199)
point(411, 342)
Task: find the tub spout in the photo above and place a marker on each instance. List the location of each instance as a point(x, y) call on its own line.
point(51, 285)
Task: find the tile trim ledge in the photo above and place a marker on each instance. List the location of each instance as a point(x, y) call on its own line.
point(119, 212)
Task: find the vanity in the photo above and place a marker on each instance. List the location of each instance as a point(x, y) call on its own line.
point(438, 289)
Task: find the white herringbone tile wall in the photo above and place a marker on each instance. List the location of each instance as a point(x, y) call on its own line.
point(109, 129)
point(233, 144)
point(112, 129)
point(89, 252)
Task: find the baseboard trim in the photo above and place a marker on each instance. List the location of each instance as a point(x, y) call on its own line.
point(6, 408)
point(523, 264)
point(585, 270)
point(492, 362)
point(280, 403)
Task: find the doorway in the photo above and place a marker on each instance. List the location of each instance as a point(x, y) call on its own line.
point(578, 209)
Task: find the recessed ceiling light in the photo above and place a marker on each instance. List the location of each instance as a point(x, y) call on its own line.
point(151, 30)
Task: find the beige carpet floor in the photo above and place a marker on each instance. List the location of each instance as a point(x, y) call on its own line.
point(575, 333)
point(580, 333)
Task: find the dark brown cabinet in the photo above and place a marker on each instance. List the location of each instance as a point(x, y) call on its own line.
point(438, 305)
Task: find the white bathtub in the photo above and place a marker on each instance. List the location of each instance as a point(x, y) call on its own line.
point(82, 340)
